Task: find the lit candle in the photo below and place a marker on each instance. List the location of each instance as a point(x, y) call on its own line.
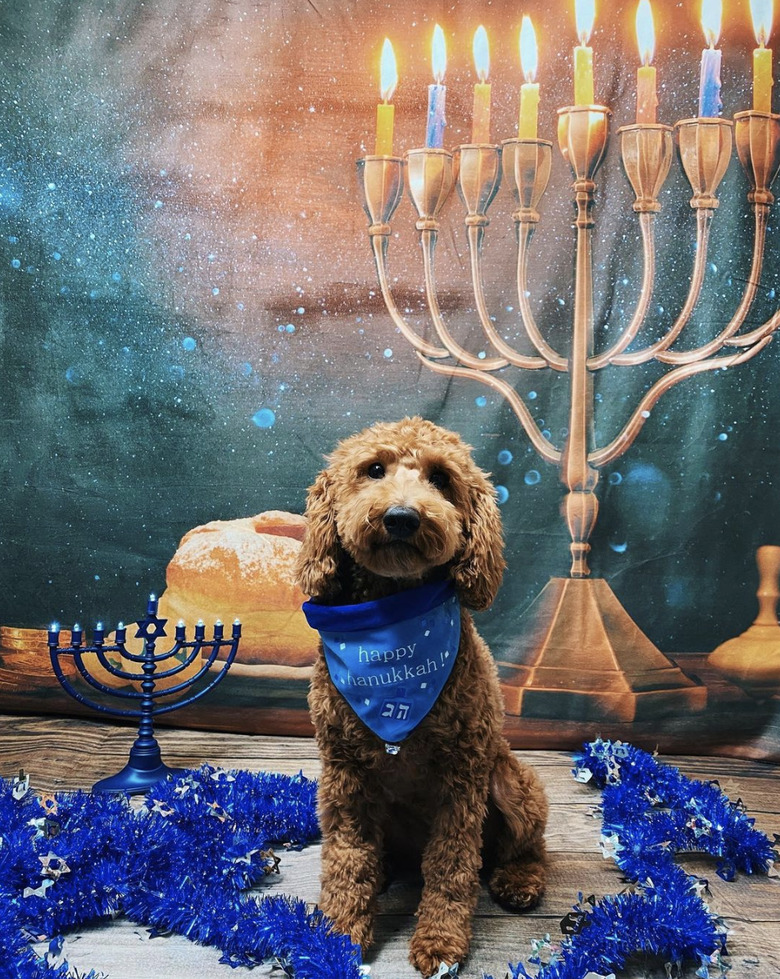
point(151, 605)
point(529, 90)
point(385, 111)
point(646, 96)
point(480, 120)
point(761, 11)
point(54, 634)
point(434, 133)
point(710, 104)
point(585, 14)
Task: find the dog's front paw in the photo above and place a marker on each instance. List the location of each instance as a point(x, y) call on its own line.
point(359, 925)
point(430, 948)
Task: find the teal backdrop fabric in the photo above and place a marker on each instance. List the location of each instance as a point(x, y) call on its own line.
point(190, 320)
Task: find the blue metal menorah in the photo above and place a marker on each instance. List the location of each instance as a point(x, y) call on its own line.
point(145, 766)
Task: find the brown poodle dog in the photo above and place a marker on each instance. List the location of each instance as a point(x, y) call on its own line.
point(402, 504)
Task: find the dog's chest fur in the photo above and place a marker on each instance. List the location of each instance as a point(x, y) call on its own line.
point(409, 790)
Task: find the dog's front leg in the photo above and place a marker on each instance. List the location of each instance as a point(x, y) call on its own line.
point(451, 864)
point(351, 852)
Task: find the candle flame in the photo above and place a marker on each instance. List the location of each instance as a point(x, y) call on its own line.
point(585, 15)
point(388, 72)
point(645, 31)
point(711, 12)
point(761, 12)
point(438, 55)
point(529, 53)
point(481, 53)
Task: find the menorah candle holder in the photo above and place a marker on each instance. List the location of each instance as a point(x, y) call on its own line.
point(579, 654)
point(192, 658)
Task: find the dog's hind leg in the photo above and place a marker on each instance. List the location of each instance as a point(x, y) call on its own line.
point(516, 849)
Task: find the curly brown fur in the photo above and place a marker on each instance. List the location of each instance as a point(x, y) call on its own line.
point(455, 782)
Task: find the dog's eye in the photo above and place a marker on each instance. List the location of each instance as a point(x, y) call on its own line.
point(376, 470)
point(439, 479)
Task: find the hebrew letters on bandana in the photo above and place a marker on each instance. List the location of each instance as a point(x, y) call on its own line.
point(391, 658)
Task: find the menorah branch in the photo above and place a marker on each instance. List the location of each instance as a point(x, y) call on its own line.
point(552, 358)
point(476, 234)
point(626, 438)
point(652, 352)
point(609, 356)
point(761, 214)
point(543, 446)
point(428, 236)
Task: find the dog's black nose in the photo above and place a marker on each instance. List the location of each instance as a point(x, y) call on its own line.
point(401, 522)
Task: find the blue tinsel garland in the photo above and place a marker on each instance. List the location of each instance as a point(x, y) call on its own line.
point(651, 812)
point(182, 863)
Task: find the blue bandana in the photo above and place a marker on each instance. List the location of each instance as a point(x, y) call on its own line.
point(391, 658)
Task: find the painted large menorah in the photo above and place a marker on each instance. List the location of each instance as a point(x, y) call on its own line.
point(577, 632)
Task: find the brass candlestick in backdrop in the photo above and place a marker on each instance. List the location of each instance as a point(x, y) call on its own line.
point(581, 654)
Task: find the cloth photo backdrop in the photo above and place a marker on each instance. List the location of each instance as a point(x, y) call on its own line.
point(191, 320)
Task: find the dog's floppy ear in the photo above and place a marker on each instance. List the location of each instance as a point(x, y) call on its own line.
point(318, 560)
point(478, 571)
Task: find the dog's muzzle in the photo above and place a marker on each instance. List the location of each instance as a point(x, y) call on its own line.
point(401, 522)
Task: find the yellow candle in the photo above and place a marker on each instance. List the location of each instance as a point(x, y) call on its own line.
point(585, 11)
point(646, 95)
point(527, 127)
point(480, 122)
point(761, 11)
point(385, 112)
point(385, 117)
point(762, 79)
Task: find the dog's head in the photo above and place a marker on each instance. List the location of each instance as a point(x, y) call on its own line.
point(401, 499)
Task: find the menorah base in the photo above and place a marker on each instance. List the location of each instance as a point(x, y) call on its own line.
point(144, 769)
point(581, 656)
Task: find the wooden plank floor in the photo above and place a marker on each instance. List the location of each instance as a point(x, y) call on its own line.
point(68, 753)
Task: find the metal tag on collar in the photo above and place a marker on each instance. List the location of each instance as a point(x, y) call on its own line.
point(392, 749)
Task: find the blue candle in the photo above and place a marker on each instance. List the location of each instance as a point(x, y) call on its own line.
point(434, 132)
point(54, 634)
point(710, 105)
